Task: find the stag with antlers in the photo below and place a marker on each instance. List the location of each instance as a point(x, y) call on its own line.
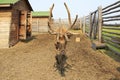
point(62, 33)
point(62, 37)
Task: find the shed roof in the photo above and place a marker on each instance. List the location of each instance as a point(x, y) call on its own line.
point(41, 14)
point(9, 2)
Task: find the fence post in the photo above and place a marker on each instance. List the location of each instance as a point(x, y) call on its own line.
point(84, 25)
point(90, 25)
point(100, 23)
point(94, 26)
point(80, 23)
point(37, 25)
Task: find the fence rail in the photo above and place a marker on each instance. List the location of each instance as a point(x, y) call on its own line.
point(103, 25)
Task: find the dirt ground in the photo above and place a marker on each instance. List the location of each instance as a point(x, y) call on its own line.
point(34, 60)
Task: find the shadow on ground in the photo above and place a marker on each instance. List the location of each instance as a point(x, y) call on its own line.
point(29, 39)
point(61, 64)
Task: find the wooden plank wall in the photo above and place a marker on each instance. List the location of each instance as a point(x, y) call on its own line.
point(39, 25)
point(5, 23)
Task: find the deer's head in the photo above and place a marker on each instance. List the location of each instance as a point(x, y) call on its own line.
point(61, 33)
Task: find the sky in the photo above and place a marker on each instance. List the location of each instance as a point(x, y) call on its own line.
point(79, 7)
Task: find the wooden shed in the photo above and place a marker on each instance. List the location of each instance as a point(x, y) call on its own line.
point(15, 21)
point(40, 21)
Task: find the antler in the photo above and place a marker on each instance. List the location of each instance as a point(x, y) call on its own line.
point(69, 17)
point(51, 31)
point(51, 12)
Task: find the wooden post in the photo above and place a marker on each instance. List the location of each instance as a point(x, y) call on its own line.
point(31, 22)
point(23, 25)
point(100, 24)
point(84, 25)
point(80, 23)
point(90, 26)
point(94, 26)
point(37, 25)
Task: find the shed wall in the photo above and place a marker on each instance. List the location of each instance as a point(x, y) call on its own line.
point(5, 23)
point(15, 30)
point(39, 25)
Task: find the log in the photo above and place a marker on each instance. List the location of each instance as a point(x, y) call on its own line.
point(111, 8)
point(90, 32)
point(97, 45)
point(112, 28)
point(117, 42)
point(94, 12)
point(116, 25)
point(115, 11)
point(107, 35)
point(117, 19)
point(111, 32)
point(116, 16)
point(116, 38)
point(112, 5)
point(111, 48)
point(84, 26)
point(112, 43)
point(95, 25)
point(100, 22)
point(112, 40)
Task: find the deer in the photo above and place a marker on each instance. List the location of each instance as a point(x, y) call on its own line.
point(62, 34)
point(62, 37)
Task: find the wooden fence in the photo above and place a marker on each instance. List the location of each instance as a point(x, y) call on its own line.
point(103, 25)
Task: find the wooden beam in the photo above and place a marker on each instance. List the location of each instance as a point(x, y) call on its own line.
point(5, 5)
point(84, 25)
point(111, 5)
point(90, 26)
point(116, 25)
point(116, 19)
point(115, 11)
point(94, 12)
point(95, 27)
point(80, 23)
point(100, 24)
point(97, 45)
point(117, 6)
point(116, 16)
point(112, 43)
point(111, 32)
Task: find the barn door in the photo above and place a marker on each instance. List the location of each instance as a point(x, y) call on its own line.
point(23, 22)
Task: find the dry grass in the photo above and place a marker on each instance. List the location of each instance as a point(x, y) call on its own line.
point(34, 60)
